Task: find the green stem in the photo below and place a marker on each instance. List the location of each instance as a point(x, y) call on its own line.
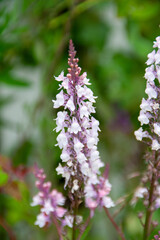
point(149, 212)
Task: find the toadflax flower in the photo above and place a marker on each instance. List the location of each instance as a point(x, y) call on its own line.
point(51, 201)
point(149, 114)
point(80, 166)
point(78, 137)
point(149, 119)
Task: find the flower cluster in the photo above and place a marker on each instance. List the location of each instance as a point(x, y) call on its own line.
point(77, 138)
point(142, 192)
point(78, 135)
point(51, 202)
point(149, 114)
point(97, 195)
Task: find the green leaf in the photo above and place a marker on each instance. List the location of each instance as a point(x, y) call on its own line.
point(3, 178)
point(85, 234)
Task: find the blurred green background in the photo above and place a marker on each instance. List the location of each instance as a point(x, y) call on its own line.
point(112, 39)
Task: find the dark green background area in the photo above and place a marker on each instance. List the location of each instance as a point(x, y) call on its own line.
point(112, 39)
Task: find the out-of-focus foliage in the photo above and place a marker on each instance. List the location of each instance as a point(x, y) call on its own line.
point(112, 39)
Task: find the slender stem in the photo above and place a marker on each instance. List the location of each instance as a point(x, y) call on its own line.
point(141, 222)
point(149, 212)
point(74, 220)
point(85, 225)
point(58, 227)
point(119, 231)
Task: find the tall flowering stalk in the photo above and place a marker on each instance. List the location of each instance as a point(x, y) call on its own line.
point(149, 131)
point(78, 136)
point(78, 139)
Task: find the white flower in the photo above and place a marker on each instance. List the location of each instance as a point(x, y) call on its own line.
point(155, 145)
point(47, 207)
point(96, 165)
point(93, 179)
point(84, 111)
point(80, 91)
point(158, 72)
point(69, 221)
point(64, 172)
point(85, 79)
point(65, 156)
point(37, 200)
point(107, 202)
point(157, 42)
point(65, 83)
point(70, 163)
point(74, 128)
point(57, 197)
point(89, 191)
point(85, 169)
point(95, 123)
point(60, 169)
point(157, 57)
point(70, 105)
point(91, 141)
point(81, 157)
point(145, 105)
point(94, 154)
point(60, 77)
point(139, 134)
point(151, 58)
point(89, 94)
point(150, 75)
point(60, 120)
point(139, 193)
point(85, 123)
point(108, 186)
point(75, 186)
point(59, 100)
point(157, 128)
point(150, 91)
point(143, 118)
point(41, 220)
point(90, 107)
point(62, 140)
point(77, 145)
